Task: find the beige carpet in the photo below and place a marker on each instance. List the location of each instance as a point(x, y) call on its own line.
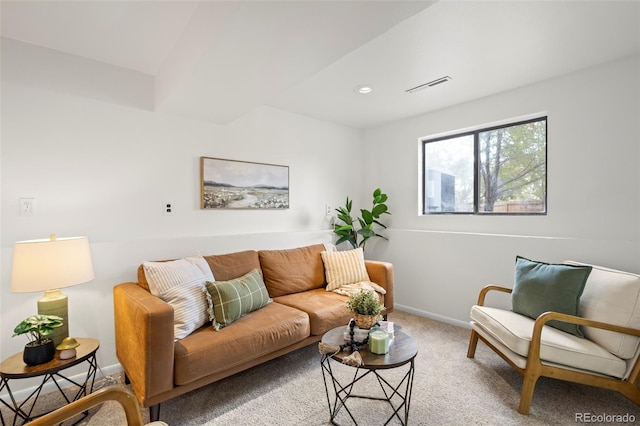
point(449, 389)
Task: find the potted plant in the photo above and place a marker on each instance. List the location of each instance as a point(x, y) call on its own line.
point(37, 328)
point(347, 230)
point(366, 308)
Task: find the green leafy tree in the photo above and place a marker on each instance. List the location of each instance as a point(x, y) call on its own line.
point(347, 231)
point(512, 164)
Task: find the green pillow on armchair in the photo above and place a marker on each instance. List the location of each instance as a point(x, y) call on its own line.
point(541, 287)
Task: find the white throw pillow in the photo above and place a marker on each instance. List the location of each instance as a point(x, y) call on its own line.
point(180, 283)
point(344, 267)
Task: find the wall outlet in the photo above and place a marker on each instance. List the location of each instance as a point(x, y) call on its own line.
point(27, 206)
point(328, 210)
point(167, 208)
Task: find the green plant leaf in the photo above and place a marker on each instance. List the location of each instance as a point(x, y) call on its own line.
point(367, 233)
point(380, 224)
point(367, 216)
point(378, 210)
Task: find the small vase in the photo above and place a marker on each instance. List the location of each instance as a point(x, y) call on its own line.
point(35, 354)
point(365, 321)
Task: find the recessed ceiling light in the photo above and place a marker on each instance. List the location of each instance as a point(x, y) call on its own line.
point(363, 89)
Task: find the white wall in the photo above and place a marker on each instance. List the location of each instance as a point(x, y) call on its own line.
point(82, 141)
point(441, 261)
point(102, 168)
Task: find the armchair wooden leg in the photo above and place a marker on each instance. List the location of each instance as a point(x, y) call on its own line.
point(528, 385)
point(630, 390)
point(154, 413)
point(473, 343)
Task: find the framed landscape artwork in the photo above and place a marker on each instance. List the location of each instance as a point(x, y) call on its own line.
point(231, 184)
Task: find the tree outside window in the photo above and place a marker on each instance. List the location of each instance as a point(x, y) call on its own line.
point(498, 170)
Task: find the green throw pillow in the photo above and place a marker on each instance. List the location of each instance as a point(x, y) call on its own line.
point(229, 300)
point(540, 287)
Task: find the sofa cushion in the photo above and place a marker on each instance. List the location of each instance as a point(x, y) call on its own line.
point(514, 331)
point(613, 297)
point(292, 270)
point(326, 309)
point(229, 300)
point(344, 267)
point(540, 287)
point(233, 265)
point(264, 331)
point(180, 283)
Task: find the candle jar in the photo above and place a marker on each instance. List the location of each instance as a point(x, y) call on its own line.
point(378, 341)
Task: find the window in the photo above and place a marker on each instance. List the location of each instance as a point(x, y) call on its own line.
point(497, 170)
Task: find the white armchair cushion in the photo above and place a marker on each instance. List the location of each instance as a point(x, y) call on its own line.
point(514, 331)
point(613, 297)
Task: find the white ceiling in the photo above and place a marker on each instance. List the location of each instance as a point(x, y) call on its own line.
point(217, 60)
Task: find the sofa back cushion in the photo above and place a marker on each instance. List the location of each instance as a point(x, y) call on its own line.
point(142, 279)
point(614, 297)
point(233, 265)
point(292, 270)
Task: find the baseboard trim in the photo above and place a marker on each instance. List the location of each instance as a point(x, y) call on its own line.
point(431, 315)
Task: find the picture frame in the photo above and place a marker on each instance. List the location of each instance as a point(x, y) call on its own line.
point(233, 184)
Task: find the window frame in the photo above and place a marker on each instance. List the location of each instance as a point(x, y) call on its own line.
point(476, 164)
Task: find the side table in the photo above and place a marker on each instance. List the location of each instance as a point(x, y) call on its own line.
point(402, 351)
point(14, 368)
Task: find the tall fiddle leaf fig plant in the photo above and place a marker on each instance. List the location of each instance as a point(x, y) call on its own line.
point(347, 230)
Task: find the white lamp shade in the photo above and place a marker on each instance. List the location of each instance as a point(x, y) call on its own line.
point(40, 265)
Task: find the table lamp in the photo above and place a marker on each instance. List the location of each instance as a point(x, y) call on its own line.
point(49, 265)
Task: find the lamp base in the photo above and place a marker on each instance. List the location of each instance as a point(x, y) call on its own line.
point(54, 302)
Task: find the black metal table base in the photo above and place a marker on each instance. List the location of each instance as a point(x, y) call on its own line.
point(24, 410)
point(397, 396)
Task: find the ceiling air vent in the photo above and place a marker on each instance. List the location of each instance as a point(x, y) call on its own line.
point(429, 84)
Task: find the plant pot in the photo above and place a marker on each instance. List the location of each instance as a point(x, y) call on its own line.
point(35, 354)
point(365, 321)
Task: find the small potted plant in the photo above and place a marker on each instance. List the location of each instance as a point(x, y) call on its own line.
point(37, 328)
point(366, 308)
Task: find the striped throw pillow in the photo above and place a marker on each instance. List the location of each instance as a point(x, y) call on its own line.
point(230, 300)
point(180, 284)
point(344, 267)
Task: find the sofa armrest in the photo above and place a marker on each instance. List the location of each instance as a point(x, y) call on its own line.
point(381, 273)
point(144, 339)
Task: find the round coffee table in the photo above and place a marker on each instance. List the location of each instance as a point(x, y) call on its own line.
point(402, 351)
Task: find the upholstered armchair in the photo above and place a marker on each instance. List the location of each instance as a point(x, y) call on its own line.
point(599, 345)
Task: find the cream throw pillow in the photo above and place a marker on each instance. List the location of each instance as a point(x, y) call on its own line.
point(180, 283)
point(344, 267)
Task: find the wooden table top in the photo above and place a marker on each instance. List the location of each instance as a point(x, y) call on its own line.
point(15, 368)
point(402, 349)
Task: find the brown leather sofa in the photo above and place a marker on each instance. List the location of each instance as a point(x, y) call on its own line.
point(160, 368)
